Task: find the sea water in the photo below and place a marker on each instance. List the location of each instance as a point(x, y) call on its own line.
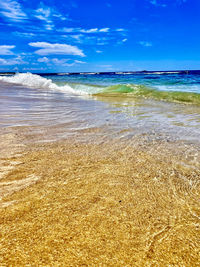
point(122, 104)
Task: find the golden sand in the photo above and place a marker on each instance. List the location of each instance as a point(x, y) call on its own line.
point(124, 204)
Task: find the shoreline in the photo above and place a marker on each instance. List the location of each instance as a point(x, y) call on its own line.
point(131, 202)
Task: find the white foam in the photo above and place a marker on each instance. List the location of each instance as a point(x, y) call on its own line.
point(163, 72)
point(36, 81)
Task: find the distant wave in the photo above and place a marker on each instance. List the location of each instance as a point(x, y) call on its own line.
point(163, 72)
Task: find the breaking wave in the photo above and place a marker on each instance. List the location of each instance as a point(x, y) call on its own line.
point(36, 81)
point(133, 90)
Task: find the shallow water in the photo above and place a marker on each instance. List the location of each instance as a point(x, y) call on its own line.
point(66, 114)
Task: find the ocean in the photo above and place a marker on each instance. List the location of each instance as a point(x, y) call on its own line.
point(166, 103)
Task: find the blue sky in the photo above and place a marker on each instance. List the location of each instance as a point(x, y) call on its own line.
point(110, 35)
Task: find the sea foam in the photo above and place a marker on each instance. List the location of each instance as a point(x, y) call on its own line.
point(36, 81)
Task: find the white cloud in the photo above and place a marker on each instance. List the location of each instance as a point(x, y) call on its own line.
point(96, 36)
point(43, 13)
point(56, 49)
point(49, 27)
point(59, 61)
point(89, 30)
point(146, 44)
point(68, 30)
point(120, 30)
point(43, 60)
point(57, 15)
point(24, 34)
point(5, 49)
point(47, 15)
point(62, 61)
point(79, 61)
point(99, 51)
point(104, 30)
point(33, 69)
point(93, 30)
point(12, 61)
point(103, 40)
point(12, 10)
point(120, 42)
point(77, 37)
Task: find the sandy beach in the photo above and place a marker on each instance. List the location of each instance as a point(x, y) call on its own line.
point(125, 203)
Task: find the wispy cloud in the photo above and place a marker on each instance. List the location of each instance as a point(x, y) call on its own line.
point(52, 60)
point(57, 61)
point(89, 30)
point(12, 10)
point(120, 30)
point(47, 15)
point(24, 34)
point(56, 49)
point(104, 40)
point(99, 51)
point(120, 42)
point(145, 43)
point(94, 36)
point(77, 37)
point(12, 61)
point(43, 60)
point(83, 38)
point(104, 30)
point(80, 30)
point(44, 13)
point(79, 62)
point(61, 17)
point(6, 49)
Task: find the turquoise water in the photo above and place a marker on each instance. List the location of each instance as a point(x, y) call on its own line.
point(181, 87)
point(166, 82)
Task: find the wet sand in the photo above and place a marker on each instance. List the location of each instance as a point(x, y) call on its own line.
point(125, 202)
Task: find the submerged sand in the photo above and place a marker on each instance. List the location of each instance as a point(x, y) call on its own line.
point(127, 203)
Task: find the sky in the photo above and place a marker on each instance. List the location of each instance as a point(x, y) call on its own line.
point(97, 35)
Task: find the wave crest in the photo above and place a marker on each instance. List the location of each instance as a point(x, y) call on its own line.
point(135, 91)
point(36, 81)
